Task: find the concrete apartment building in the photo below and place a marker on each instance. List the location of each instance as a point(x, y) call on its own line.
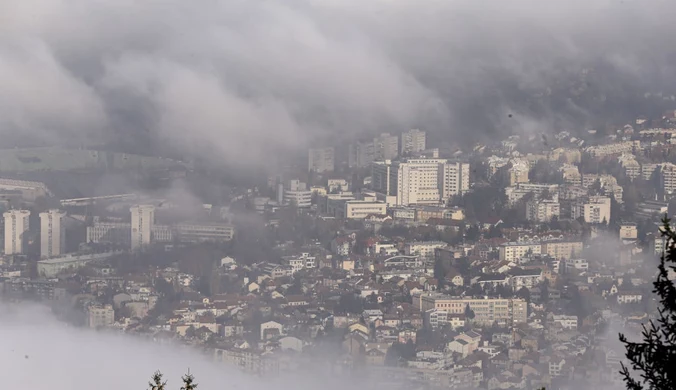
point(486, 310)
point(413, 141)
point(142, 223)
point(562, 249)
point(667, 178)
point(594, 209)
point(513, 251)
point(517, 192)
point(382, 147)
point(360, 209)
point(542, 210)
point(296, 192)
point(423, 249)
point(52, 234)
point(516, 172)
point(321, 160)
point(420, 181)
point(100, 316)
point(16, 225)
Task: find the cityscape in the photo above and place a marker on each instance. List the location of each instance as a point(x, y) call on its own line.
point(303, 194)
point(491, 268)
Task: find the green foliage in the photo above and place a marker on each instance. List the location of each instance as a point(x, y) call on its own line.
point(655, 357)
point(157, 383)
point(188, 382)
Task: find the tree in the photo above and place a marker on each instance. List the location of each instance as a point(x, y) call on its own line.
point(469, 313)
point(157, 383)
point(655, 357)
point(188, 382)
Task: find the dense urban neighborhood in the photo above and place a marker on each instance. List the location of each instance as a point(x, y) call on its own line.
point(510, 265)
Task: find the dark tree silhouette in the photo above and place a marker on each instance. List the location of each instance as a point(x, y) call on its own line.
point(158, 384)
point(655, 357)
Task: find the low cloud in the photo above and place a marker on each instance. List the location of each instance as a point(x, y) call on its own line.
point(236, 80)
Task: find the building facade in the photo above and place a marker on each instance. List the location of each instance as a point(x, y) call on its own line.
point(16, 224)
point(142, 223)
point(52, 234)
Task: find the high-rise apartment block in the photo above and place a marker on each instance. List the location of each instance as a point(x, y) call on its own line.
point(413, 141)
point(52, 234)
point(420, 181)
point(142, 222)
point(383, 147)
point(321, 160)
point(595, 209)
point(16, 224)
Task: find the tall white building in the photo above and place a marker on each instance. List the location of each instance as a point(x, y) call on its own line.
point(321, 160)
point(542, 210)
point(385, 147)
point(667, 177)
point(52, 234)
point(420, 181)
point(413, 141)
point(595, 209)
point(297, 193)
point(142, 222)
point(382, 147)
point(16, 224)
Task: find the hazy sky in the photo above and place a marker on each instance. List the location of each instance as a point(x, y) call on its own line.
point(234, 79)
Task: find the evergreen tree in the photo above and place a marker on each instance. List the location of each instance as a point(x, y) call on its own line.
point(188, 382)
point(655, 357)
point(157, 383)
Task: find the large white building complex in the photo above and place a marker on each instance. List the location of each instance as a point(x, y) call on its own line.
point(52, 234)
point(142, 222)
point(16, 224)
point(321, 160)
point(420, 181)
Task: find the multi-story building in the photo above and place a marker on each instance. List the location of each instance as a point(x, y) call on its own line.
point(420, 181)
point(486, 310)
point(423, 249)
point(565, 321)
point(667, 178)
point(513, 251)
point(201, 232)
point(542, 210)
point(52, 234)
point(516, 172)
point(321, 160)
point(297, 193)
point(360, 209)
point(493, 165)
point(16, 225)
point(562, 249)
point(628, 231)
point(385, 147)
point(413, 141)
point(571, 174)
point(632, 169)
point(595, 209)
point(517, 192)
point(142, 222)
point(100, 316)
point(612, 149)
point(364, 152)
